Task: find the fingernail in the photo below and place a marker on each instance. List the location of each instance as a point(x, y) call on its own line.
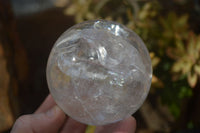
point(53, 111)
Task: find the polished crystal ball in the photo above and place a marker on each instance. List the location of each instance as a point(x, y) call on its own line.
point(99, 72)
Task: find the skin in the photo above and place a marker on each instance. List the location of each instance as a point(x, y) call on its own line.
point(49, 118)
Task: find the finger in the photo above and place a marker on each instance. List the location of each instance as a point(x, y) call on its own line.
point(126, 126)
point(72, 126)
point(46, 105)
point(48, 122)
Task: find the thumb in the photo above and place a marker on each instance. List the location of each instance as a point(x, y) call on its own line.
point(48, 122)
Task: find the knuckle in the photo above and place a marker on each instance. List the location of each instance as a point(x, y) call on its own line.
point(23, 120)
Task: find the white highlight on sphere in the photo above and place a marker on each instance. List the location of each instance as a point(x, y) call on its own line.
point(99, 72)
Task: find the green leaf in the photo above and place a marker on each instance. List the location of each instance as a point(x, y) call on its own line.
point(177, 67)
point(175, 110)
point(186, 66)
point(197, 69)
point(192, 79)
point(190, 125)
point(71, 10)
point(90, 129)
point(184, 92)
point(183, 20)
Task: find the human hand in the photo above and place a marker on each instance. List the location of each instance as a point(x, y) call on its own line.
point(49, 118)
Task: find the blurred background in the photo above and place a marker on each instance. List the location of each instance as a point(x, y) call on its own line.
point(170, 30)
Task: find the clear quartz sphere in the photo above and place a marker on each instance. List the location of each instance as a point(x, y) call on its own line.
point(99, 72)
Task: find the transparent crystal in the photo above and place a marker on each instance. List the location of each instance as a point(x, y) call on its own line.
point(99, 72)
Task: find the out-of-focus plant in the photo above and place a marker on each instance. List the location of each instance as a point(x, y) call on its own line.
point(187, 58)
point(175, 50)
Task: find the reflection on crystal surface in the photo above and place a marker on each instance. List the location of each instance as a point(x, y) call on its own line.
point(99, 72)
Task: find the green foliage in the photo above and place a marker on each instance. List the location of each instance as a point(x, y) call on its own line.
point(190, 125)
point(188, 59)
point(90, 129)
point(175, 50)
